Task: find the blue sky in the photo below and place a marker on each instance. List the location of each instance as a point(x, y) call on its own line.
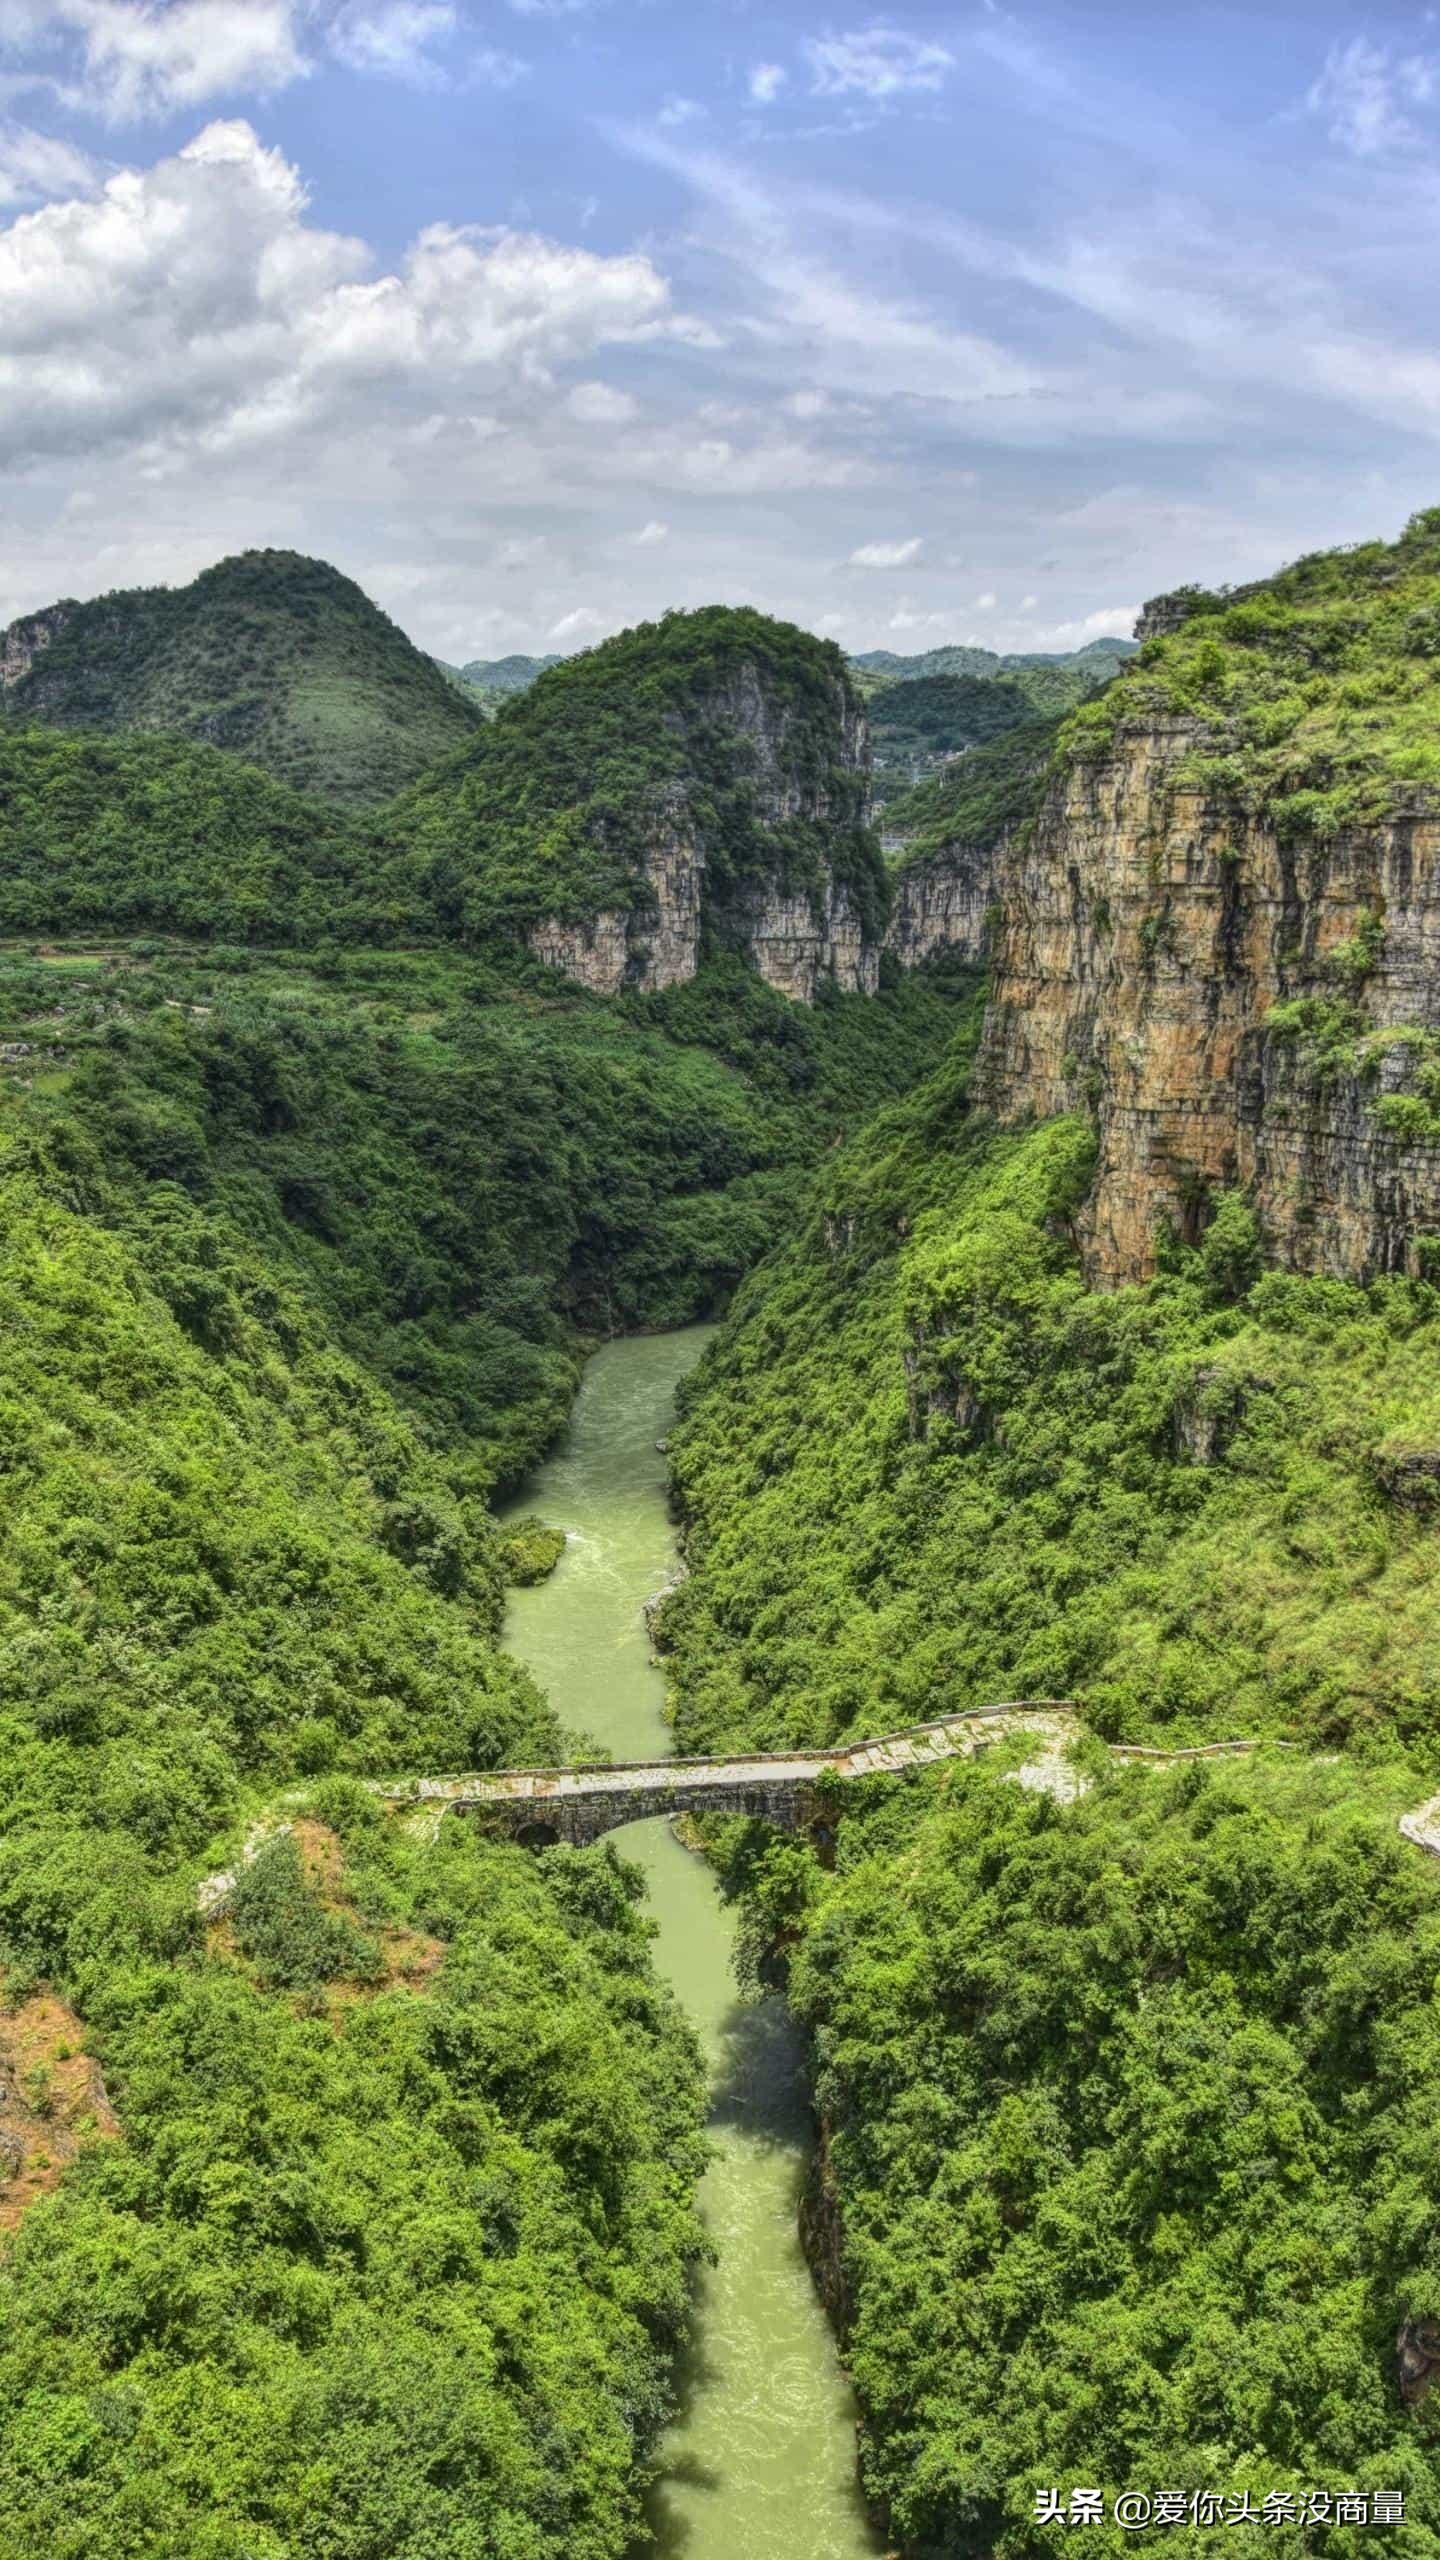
point(538, 316)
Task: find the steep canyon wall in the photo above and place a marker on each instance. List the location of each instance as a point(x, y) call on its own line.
point(1234, 1010)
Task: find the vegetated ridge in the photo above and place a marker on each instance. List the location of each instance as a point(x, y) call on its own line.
point(277, 658)
point(694, 785)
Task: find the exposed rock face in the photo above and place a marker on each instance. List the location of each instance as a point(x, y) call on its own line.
point(796, 937)
point(945, 904)
point(22, 643)
point(1147, 934)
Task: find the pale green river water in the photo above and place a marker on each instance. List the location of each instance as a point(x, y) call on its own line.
point(759, 2463)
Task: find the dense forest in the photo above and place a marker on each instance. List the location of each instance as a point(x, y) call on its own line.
point(277, 658)
point(375, 2223)
point(1128, 2103)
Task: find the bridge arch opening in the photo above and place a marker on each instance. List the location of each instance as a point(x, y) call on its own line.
point(538, 1835)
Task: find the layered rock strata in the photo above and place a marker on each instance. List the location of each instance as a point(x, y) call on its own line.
point(1148, 937)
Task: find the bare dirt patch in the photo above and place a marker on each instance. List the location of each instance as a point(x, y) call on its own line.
point(53, 2103)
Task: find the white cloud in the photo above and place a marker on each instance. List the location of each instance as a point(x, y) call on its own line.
point(678, 111)
point(651, 533)
point(34, 166)
point(1028, 603)
point(985, 604)
point(393, 36)
point(886, 555)
point(598, 404)
point(138, 58)
point(1112, 622)
point(1365, 92)
point(876, 62)
point(192, 306)
point(766, 82)
point(574, 626)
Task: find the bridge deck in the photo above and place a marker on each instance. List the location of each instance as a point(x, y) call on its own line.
point(948, 1737)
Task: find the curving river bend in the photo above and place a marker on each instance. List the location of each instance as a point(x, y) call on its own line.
point(759, 2463)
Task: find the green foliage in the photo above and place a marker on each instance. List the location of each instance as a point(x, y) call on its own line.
point(984, 796)
point(279, 1921)
point(915, 724)
point(277, 658)
point(1128, 2104)
point(531, 1551)
point(925, 1468)
point(1313, 696)
point(374, 2266)
point(137, 833)
point(1131, 2119)
point(552, 810)
point(459, 1176)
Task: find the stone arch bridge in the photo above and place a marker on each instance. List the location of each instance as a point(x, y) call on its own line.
point(795, 1790)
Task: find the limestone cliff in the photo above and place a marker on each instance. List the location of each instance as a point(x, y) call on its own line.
point(756, 841)
point(945, 903)
point(1235, 1006)
point(22, 642)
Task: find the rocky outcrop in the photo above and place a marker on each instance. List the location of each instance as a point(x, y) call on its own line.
point(797, 934)
point(944, 904)
point(1150, 939)
point(22, 643)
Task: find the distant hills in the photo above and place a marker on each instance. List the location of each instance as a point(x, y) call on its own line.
point(884, 667)
point(278, 658)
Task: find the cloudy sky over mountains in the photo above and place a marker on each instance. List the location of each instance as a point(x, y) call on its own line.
point(540, 315)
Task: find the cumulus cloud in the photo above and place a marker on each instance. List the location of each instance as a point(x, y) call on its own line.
point(651, 533)
point(1365, 93)
point(135, 58)
point(886, 555)
point(876, 62)
point(678, 111)
point(192, 304)
point(582, 623)
point(34, 166)
point(766, 82)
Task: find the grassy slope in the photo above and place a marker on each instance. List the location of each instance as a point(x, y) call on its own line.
point(463, 1173)
point(278, 658)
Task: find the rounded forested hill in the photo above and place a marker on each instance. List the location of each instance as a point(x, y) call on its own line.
point(273, 656)
point(745, 732)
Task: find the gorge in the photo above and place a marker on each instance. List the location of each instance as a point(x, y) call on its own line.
point(1067, 1335)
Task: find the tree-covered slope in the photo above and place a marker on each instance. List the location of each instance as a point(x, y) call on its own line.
point(980, 798)
point(740, 733)
point(277, 658)
point(915, 725)
point(341, 2263)
point(139, 834)
point(1129, 2175)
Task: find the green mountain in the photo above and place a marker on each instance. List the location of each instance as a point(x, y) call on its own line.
point(738, 731)
point(505, 675)
point(977, 798)
point(273, 657)
point(1083, 667)
point(916, 725)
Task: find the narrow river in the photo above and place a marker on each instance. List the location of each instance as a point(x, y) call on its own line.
point(760, 2461)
